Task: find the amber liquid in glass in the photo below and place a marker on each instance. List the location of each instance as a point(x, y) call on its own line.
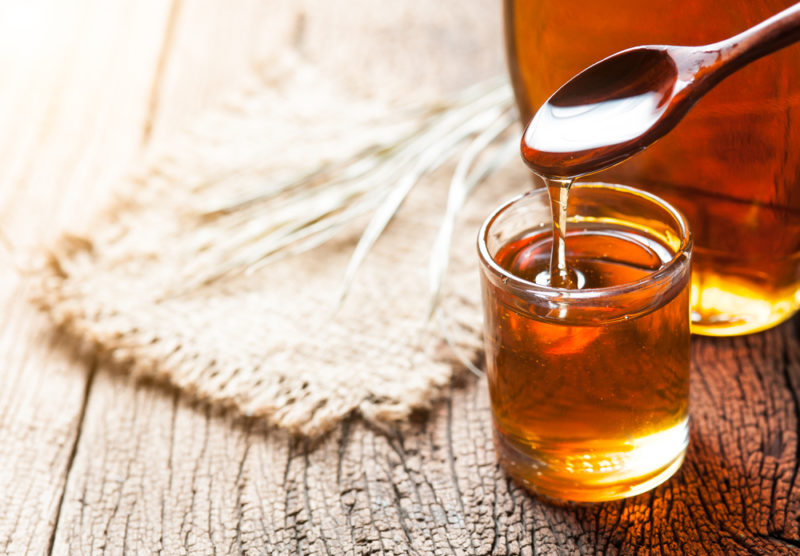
point(732, 166)
point(588, 411)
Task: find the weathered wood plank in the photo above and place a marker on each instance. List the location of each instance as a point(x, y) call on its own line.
point(148, 471)
point(165, 475)
point(211, 46)
point(63, 134)
point(72, 107)
point(38, 433)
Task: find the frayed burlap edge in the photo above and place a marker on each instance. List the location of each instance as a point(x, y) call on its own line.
point(270, 343)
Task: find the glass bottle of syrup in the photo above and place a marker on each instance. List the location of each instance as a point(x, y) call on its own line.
point(732, 165)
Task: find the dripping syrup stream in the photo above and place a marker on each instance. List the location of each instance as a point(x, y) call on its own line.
point(560, 275)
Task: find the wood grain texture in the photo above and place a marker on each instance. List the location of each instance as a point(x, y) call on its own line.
point(64, 136)
point(165, 475)
point(41, 405)
point(72, 113)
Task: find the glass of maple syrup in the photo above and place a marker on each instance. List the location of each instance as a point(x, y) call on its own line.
point(589, 383)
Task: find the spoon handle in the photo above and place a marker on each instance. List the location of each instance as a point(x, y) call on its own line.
point(770, 35)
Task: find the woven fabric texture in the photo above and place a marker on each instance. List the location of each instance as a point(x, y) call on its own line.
point(271, 342)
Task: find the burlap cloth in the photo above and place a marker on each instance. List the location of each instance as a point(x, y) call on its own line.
point(269, 342)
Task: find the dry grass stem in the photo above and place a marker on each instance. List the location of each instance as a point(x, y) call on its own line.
point(271, 220)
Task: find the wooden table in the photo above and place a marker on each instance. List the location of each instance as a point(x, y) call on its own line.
point(92, 461)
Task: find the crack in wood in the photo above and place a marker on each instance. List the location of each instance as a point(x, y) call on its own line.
point(73, 452)
point(161, 65)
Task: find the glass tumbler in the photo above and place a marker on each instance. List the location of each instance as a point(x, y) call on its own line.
point(589, 387)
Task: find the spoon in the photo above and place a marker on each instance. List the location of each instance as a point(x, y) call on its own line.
point(620, 105)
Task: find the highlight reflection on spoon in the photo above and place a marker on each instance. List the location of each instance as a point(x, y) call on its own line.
point(565, 129)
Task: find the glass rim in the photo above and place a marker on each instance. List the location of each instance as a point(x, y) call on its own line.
point(588, 294)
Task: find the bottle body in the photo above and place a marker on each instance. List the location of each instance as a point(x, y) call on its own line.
point(732, 165)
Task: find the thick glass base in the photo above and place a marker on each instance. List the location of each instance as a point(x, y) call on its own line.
point(731, 306)
point(594, 472)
